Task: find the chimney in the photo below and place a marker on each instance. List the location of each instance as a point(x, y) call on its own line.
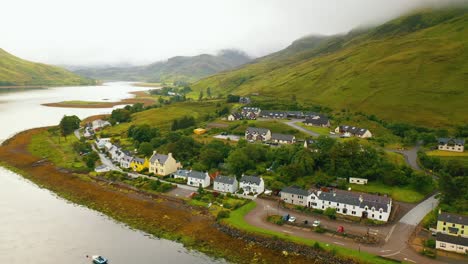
point(360, 198)
point(154, 152)
point(440, 211)
point(169, 155)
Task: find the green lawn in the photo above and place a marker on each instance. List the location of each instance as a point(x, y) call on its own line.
point(274, 126)
point(325, 131)
point(60, 152)
point(395, 158)
point(236, 220)
point(403, 194)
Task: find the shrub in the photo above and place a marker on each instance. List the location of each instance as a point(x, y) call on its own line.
point(222, 214)
point(317, 211)
point(227, 205)
point(316, 246)
point(430, 243)
point(319, 229)
point(330, 212)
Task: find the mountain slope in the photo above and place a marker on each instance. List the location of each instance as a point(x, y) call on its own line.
point(412, 69)
point(18, 72)
point(174, 69)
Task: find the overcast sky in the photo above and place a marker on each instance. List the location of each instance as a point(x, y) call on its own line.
point(137, 31)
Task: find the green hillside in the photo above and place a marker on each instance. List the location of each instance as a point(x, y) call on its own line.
point(178, 68)
point(18, 72)
point(411, 69)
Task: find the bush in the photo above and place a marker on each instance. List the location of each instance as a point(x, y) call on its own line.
point(275, 219)
point(330, 212)
point(317, 211)
point(319, 229)
point(430, 243)
point(227, 205)
point(316, 246)
point(222, 214)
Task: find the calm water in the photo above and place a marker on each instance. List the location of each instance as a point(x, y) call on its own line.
point(38, 227)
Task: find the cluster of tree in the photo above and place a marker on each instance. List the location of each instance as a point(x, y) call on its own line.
point(231, 98)
point(123, 115)
point(82, 146)
point(90, 159)
point(453, 181)
point(68, 125)
point(183, 122)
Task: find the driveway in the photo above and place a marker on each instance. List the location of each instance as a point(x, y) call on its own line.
point(292, 123)
point(411, 156)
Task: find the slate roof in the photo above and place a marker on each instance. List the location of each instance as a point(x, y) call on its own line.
point(267, 113)
point(295, 190)
point(182, 173)
point(457, 240)
point(258, 130)
point(197, 175)
point(352, 198)
point(453, 218)
point(251, 179)
point(317, 121)
point(353, 130)
point(139, 160)
point(282, 137)
point(225, 179)
point(127, 158)
point(455, 141)
point(160, 158)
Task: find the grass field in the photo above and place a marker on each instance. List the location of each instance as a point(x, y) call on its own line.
point(395, 158)
point(325, 131)
point(237, 220)
point(60, 152)
point(398, 76)
point(449, 155)
point(403, 194)
point(274, 126)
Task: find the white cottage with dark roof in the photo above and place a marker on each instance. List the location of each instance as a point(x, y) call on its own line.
point(252, 184)
point(198, 179)
point(126, 160)
point(225, 184)
point(256, 133)
point(351, 203)
point(283, 138)
point(348, 131)
point(295, 195)
point(451, 144)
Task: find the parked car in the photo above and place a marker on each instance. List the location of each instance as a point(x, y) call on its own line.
point(292, 219)
point(332, 133)
point(316, 223)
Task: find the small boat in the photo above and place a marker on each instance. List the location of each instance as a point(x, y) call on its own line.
point(99, 260)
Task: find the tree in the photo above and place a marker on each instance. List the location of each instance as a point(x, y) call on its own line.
point(208, 92)
point(143, 133)
point(91, 159)
point(330, 212)
point(200, 96)
point(121, 115)
point(238, 162)
point(145, 149)
point(69, 124)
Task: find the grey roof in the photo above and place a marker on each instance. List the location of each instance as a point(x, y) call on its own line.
point(317, 121)
point(295, 190)
point(353, 130)
point(127, 157)
point(182, 173)
point(100, 167)
point(454, 141)
point(453, 218)
point(273, 113)
point(225, 179)
point(352, 198)
point(197, 174)
point(457, 240)
point(160, 158)
point(251, 179)
point(283, 137)
point(257, 130)
point(139, 160)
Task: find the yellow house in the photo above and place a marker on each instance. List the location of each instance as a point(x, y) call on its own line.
point(139, 164)
point(451, 233)
point(452, 224)
point(163, 164)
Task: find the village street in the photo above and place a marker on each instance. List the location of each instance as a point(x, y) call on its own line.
point(395, 237)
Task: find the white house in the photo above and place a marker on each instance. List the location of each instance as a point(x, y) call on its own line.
point(283, 138)
point(102, 168)
point(361, 181)
point(252, 184)
point(295, 195)
point(101, 142)
point(458, 244)
point(225, 184)
point(255, 133)
point(351, 203)
point(99, 124)
point(317, 120)
point(197, 179)
point(234, 117)
point(126, 160)
point(348, 131)
point(451, 144)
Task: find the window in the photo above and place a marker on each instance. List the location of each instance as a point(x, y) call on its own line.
point(442, 245)
point(445, 223)
point(372, 215)
point(380, 216)
point(353, 212)
point(443, 229)
point(453, 225)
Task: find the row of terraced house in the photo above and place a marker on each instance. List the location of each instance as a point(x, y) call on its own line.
point(344, 202)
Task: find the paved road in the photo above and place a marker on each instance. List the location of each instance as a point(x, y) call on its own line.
point(292, 123)
point(415, 215)
point(395, 236)
point(411, 156)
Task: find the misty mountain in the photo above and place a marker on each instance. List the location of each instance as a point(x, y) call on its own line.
point(180, 68)
point(411, 69)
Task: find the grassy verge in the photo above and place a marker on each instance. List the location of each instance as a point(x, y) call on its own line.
point(56, 149)
point(274, 126)
point(403, 194)
point(237, 220)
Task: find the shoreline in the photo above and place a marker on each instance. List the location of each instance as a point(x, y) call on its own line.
point(192, 226)
point(140, 97)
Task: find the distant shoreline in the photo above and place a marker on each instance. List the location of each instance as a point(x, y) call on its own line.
point(140, 97)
